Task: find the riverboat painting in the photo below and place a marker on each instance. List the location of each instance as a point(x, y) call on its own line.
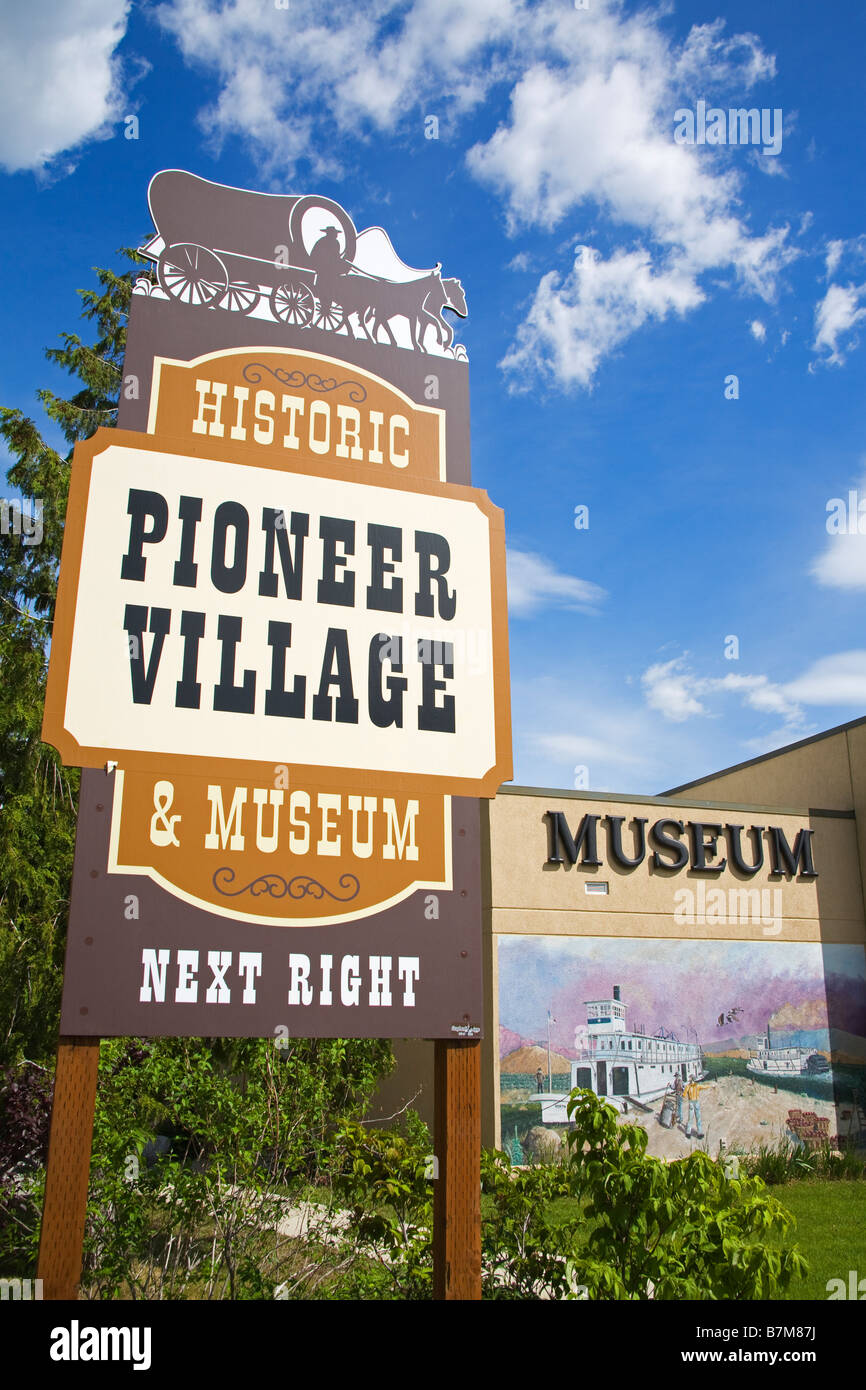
point(723, 1045)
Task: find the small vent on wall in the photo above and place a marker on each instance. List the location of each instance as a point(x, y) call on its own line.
point(595, 887)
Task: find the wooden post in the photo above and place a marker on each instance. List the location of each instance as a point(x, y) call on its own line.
point(68, 1170)
point(457, 1190)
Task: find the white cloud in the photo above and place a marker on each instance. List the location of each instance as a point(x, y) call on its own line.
point(592, 100)
point(589, 748)
point(289, 77)
point(677, 693)
point(617, 741)
point(619, 87)
point(669, 688)
point(758, 330)
point(573, 323)
point(674, 690)
point(624, 745)
point(842, 563)
point(60, 82)
point(836, 315)
point(710, 61)
point(761, 694)
point(850, 250)
point(768, 164)
point(832, 680)
point(535, 583)
point(833, 257)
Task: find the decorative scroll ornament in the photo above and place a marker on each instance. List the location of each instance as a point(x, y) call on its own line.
point(275, 886)
point(253, 374)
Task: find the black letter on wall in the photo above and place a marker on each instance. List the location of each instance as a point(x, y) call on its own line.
point(585, 840)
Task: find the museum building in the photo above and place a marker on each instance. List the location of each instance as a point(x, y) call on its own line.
point(715, 935)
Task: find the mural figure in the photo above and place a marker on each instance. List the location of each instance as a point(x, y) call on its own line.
point(678, 1096)
point(693, 1096)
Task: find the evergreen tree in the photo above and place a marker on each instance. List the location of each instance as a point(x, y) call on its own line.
point(37, 795)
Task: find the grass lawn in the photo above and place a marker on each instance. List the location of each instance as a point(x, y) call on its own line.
point(830, 1231)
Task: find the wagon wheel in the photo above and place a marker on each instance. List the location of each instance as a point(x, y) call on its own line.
point(192, 274)
point(330, 316)
point(293, 303)
point(241, 297)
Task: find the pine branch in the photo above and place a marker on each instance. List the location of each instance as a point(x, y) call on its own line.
point(32, 617)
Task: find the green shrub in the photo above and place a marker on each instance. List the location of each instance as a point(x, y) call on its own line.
point(244, 1120)
point(670, 1230)
point(526, 1246)
point(383, 1177)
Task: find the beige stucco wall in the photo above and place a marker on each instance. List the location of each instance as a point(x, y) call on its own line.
point(827, 771)
point(816, 772)
point(410, 1084)
point(529, 895)
point(856, 740)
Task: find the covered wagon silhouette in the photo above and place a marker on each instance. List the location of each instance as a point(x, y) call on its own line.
point(231, 248)
point(228, 248)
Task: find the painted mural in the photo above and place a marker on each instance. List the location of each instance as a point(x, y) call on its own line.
point(719, 1045)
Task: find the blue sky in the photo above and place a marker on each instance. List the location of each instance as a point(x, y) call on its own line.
point(615, 277)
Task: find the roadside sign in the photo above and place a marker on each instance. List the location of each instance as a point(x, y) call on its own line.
point(280, 643)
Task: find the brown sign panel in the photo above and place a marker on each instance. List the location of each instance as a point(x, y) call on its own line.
point(144, 962)
point(294, 430)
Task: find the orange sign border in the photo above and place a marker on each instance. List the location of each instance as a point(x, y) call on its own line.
point(74, 754)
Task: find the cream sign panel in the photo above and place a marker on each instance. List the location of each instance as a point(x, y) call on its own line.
point(257, 613)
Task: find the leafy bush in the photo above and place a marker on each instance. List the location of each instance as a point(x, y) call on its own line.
point(383, 1178)
point(670, 1229)
point(526, 1247)
point(242, 1121)
point(250, 1133)
point(608, 1222)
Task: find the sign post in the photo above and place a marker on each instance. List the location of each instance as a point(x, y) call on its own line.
point(280, 657)
point(457, 1196)
point(68, 1168)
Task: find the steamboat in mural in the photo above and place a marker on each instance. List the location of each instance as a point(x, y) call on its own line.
point(626, 1068)
point(769, 1061)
